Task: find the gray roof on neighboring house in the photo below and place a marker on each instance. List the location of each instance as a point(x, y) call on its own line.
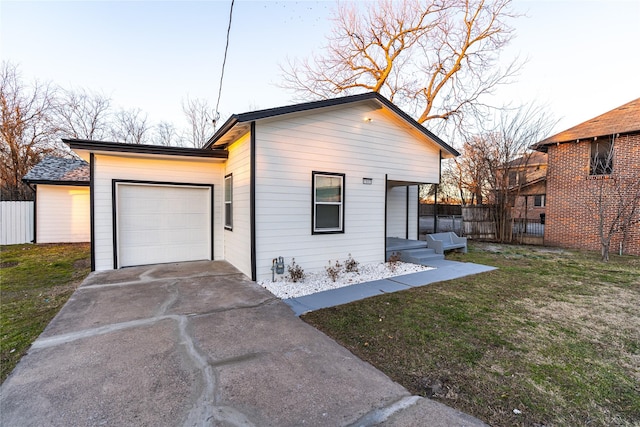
point(59, 171)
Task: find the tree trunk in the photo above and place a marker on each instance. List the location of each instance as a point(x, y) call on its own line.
point(605, 251)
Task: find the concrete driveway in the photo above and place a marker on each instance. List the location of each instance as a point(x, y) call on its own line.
point(198, 344)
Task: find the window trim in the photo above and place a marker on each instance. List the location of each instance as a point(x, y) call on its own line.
point(340, 229)
point(543, 199)
point(228, 221)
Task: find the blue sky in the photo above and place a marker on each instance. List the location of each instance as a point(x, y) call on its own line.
point(584, 56)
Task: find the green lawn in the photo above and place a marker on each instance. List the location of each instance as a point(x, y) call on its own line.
point(552, 334)
point(35, 282)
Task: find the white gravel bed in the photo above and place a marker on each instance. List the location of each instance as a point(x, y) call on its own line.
point(318, 282)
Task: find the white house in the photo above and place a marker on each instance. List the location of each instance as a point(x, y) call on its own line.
point(315, 182)
point(62, 200)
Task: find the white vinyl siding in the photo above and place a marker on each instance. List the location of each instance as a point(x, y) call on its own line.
point(397, 212)
point(291, 147)
point(412, 215)
point(401, 222)
point(237, 243)
point(174, 169)
point(62, 214)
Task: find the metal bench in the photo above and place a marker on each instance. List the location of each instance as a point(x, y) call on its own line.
point(441, 242)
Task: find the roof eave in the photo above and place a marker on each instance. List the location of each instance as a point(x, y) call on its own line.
point(543, 146)
point(104, 146)
point(228, 125)
point(55, 182)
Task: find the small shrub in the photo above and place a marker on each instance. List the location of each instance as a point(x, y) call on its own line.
point(296, 273)
point(351, 265)
point(333, 271)
point(394, 259)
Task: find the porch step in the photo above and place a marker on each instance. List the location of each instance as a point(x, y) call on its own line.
point(397, 245)
point(419, 256)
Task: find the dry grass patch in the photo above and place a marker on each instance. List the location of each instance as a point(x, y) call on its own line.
point(553, 334)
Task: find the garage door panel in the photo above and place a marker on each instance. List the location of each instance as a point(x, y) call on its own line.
point(162, 223)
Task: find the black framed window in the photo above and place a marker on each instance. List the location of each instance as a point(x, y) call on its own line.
point(538, 200)
point(228, 202)
point(328, 202)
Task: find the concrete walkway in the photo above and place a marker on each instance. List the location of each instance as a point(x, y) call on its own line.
point(198, 344)
point(444, 270)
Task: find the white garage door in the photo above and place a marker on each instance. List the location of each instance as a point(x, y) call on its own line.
point(162, 223)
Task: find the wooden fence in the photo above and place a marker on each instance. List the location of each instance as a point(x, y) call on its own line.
point(16, 222)
point(478, 222)
point(443, 210)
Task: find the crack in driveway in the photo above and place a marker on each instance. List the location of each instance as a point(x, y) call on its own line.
point(204, 408)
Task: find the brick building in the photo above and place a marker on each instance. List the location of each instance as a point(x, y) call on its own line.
point(527, 186)
point(594, 167)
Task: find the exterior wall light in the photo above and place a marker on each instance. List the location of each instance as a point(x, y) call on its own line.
point(367, 181)
point(368, 119)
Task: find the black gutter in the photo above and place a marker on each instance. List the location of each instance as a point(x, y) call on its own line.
point(55, 182)
point(81, 144)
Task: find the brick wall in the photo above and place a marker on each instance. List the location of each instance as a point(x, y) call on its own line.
point(572, 218)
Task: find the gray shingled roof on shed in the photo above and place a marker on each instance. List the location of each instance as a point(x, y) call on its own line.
point(59, 170)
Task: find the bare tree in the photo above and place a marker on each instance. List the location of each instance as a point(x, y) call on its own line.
point(27, 128)
point(471, 172)
point(614, 197)
point(436, 59)
point(166, 134)
point(198, 115)
point(130, 126)
point(83, 115)
point(488, 161)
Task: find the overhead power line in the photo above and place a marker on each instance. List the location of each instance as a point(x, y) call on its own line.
point(224, 62)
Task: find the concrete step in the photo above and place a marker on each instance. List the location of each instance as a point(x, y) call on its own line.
point(396, 245)
point(419, 256)
point(417, 253)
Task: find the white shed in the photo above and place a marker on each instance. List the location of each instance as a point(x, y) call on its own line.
point(315, 182)
point(62, 200)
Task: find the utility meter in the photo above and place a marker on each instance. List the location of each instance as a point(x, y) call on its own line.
point(280, 265)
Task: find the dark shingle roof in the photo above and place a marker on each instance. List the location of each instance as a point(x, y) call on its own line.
point(621, 120)
point(59, 170)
